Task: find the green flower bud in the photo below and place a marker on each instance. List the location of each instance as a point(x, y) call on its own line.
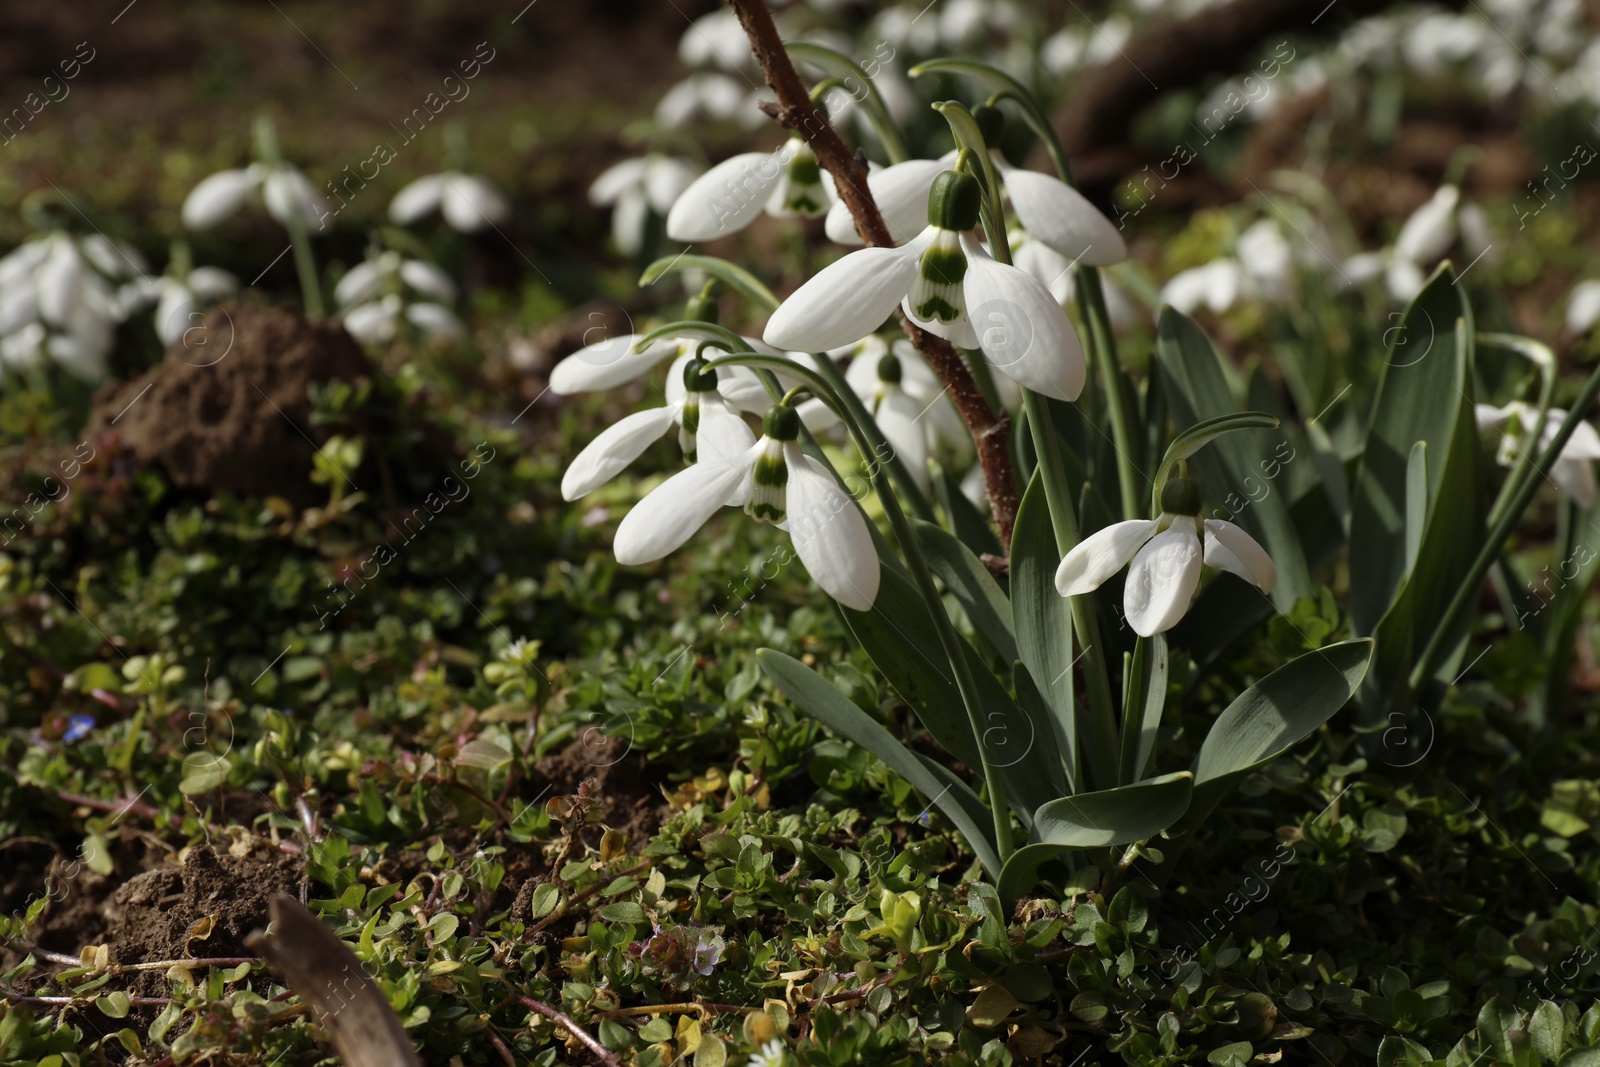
point(1180, 496)
point(991, 123)
point(954, 201)
point(697, 379)
point(889, 369)
point(781, 423)
point(701, 308)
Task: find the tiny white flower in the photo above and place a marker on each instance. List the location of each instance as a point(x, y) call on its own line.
point(1573, 471)
point(468, 202)
point(381, 293)
point(949, 285)
point(634, 188)
point(693, 405)
point(285, 192)
point(1166, 554)
point(729, 196)
point(775, 482)
point(180, 300)
point(772, 1054)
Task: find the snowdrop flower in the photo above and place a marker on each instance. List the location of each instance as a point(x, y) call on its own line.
point(1166, 555)
point(702, 96)
point(692, 402)
point(382, 292)
point(716, 40)
point(634, 188)
point(179, 301)
point(904, 396)
point(729, 196)
point(55, 304)
point(611, 362)
point(1217, 285)
point(775, 482)
point(1430, 230)
point(468, 202)
point(1268, 258)
point(951, 286)
point(1573, 471)
point(1583, 307)
point(1043, 262)
point(1048, 208)
point(286, 193)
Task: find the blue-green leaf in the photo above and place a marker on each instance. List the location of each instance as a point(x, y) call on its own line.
point(1042, 617)
point(812, 693)
point(1277, 712)
point(970, 582)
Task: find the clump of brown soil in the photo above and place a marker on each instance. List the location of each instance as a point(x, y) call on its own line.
point(228, 410)
point(203, 907)
point(629, 797)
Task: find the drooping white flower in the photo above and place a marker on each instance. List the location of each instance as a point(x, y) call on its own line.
point(1429, 231)
point(905, 398)
point(729, 196)
point(1217, 285)
point(179, 301)
point(468, 202)
point(1583, 307)
point(383, 292)
point(704, 96)
point(775, 482)
point(612, 361)
point(1166, 554)
point(1573, 470)
point(283, 190)
point(1048, 208)
point(634, 188)
point(1043, 262)
point(56, 303)
point(693, 404)
point(949, 285)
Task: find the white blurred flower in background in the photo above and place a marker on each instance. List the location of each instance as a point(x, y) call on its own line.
point(635, 187)
point(468, 202)
point(387, 290)
point(282, 189)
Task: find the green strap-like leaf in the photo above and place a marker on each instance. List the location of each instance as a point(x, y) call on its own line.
point(1111, 817)
point(1274, 714)
point(1143, 701)
point(732, 275)
point(970, 582)
point(812, 693)
point(1042, 617)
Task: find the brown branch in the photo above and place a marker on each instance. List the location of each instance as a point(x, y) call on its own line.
point(564, 1020)
point(990, 432)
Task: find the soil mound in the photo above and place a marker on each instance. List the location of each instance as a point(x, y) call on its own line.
point(228, 410)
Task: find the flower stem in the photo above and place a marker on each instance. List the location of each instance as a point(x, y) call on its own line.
point(990, 430)
point(1103, 350)
point(305, 264)
point(1514, 504)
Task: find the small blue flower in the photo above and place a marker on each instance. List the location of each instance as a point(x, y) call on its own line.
point(78, 727)
point(708, 949)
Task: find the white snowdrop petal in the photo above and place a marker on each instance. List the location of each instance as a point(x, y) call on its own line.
point(845, 301)
point(216, 198)
point(665, 180)
point(723, 437)
point(1583, 444)
point(900, 419)
point(830, 535)
point(1583, 307)
point(1230, 548)
point(437, 321)
point(360, 283)
point(470, 203)
point(289, 194)
point(1430, 231)
point(1023, 332)
point(172, 313)
point(726, 198)
point(1575, 477)
point(1162, 580)
point(417, 199)
point(1092, 561)
point(616, 180)
point(61, 282)
point(428, 279)
point(608, 363)
point(671, 513)
point(372, 323)
point(211, 283)
point(613, 449)
point(1057, 214)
